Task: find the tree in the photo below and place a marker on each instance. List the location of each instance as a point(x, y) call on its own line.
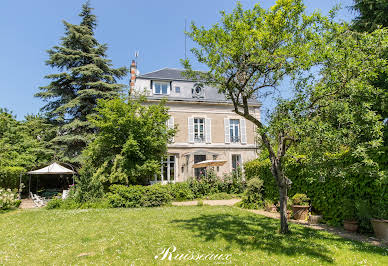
point(86, 76)
point(252, 51)
point(131, 140)
point(22, 147)
point(371, 14)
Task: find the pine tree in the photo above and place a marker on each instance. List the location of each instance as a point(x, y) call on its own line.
point(370, 14)
point(86, 76)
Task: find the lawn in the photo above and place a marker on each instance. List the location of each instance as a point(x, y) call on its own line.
point(136, 236)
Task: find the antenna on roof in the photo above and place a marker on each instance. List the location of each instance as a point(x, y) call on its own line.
point(137, 63)
point(185, 40)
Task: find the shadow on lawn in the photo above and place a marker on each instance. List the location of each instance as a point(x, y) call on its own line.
point(256, 232)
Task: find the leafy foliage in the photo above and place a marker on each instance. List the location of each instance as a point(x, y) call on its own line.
point(23, 146)
point(249, 53)
point(253, 198)
point(180, 191)
point(327, 191)
point(371, 14)
point(300, 199)
point(72, 95)
point(121, 196)
point(131, 139)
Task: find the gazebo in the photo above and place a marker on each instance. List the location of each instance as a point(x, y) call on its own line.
point(52, 169)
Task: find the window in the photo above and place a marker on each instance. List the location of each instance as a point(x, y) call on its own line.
point(168, 169)
point(197, 91)
point(199, 130)
point(199, 172)
point(236, 161)
point(161, 88)
point(177, 89)
point(234, 130)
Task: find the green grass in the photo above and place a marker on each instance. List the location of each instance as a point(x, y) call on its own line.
point(126, 236)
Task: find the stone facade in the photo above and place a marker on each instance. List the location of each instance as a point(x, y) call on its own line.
point(208, 129)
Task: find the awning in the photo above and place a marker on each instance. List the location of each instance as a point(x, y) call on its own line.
point(52, 169)
point(209, 163)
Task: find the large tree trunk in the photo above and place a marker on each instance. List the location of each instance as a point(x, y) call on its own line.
point(277, 172)
point(283, 210)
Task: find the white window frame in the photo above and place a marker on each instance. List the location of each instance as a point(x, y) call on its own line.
point(198, 132)
point(233, 128)
point(161, 83)
point(168, 161)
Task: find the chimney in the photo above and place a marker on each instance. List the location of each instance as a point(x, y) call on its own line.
point(133, 71)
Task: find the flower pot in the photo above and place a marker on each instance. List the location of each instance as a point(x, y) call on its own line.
point(300, 212)
point(380, 227)
point(314, 219)
point(351, 226)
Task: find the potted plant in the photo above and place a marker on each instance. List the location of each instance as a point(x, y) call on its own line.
point(380, 222)
point(300, 206)
point(349, 214)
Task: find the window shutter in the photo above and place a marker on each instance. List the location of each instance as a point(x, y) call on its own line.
point(171, 126)
point(243, 131)
point(191, 129)
point(208, 126)
point(227, 132)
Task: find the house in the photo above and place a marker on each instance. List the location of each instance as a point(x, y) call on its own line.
point(208, 129)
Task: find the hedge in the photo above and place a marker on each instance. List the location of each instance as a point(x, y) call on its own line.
point(327, 196)
point(121, 196)
point(10, 176)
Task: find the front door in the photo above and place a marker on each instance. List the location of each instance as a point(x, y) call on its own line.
point(168, 169)
point(198, 172)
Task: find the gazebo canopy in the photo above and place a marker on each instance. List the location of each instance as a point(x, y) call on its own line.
point(52, 169)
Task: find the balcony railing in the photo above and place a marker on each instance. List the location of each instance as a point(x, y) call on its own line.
point(234, 139)
point(199, 139)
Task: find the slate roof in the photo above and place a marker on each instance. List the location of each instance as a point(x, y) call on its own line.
point(165, 74)
point(173, 74)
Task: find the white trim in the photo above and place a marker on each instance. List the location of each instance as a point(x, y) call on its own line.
point(190, 126)
point(227, 129)
point(161, 82)
point(208, 130)
point(243, 131)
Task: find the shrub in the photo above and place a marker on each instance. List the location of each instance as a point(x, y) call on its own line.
point(300, 199)
point(54, 203)
point(121, 196)
point(252, 198)
point(180, 191)
point(8, 199)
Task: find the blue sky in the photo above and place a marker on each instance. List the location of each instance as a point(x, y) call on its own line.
point(153, 27)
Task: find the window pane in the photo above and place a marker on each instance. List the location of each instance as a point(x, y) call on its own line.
point(177, 89)
point(157, 88)
point(164, 88)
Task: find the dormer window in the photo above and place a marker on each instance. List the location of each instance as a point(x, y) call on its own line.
point(197, 91)
point(161, 88)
